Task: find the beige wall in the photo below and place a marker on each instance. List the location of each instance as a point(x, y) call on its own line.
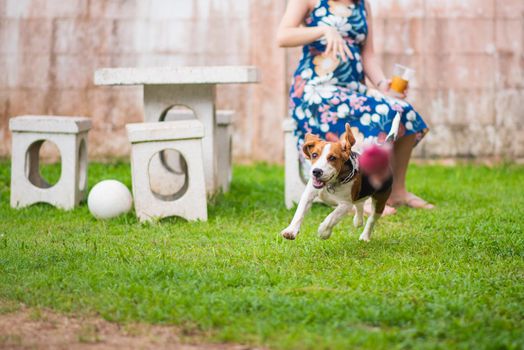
point(468, 55)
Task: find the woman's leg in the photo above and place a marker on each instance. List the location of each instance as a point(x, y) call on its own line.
point(401, 156)
point(402, 150)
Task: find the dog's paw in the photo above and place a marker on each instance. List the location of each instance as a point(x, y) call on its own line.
point(289, 233)
point(324, 232)
point(365, 237)
point(358, 221)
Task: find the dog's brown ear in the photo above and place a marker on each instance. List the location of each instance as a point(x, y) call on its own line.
point(309, 142)
point(347, 140)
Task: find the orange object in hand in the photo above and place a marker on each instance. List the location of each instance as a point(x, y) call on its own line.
point(398, 84)
point(401, 77)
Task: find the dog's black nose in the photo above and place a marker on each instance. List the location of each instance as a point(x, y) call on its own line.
point(317, 173)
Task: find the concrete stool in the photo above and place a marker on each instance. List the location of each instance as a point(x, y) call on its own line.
point(224, 135)
point(225, 149)
point(294, 183)
point(148, 139)
point(70, 136)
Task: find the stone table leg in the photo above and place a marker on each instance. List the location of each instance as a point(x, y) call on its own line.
point(159, 99)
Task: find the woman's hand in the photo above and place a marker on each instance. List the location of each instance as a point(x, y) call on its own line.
point(384, 86)
point(336, 45)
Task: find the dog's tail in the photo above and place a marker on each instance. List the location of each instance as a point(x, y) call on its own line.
point(393, 133)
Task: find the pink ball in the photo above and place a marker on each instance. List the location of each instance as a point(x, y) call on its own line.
point(375, 160)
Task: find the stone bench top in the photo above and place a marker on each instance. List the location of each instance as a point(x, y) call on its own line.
point(165, 131)
point(49, 124)
point(224, 117)
point(177, 75)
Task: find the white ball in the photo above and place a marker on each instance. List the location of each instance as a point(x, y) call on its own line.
point(109, 199)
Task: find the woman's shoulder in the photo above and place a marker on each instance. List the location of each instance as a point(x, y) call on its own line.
point(312, 4)
point(309, 4)
point(367, 5)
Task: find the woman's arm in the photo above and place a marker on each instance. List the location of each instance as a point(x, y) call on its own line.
point(292, 33)
point(372, 68)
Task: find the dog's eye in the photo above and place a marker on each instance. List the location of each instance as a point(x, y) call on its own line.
point(314, 155)
point(332, 158)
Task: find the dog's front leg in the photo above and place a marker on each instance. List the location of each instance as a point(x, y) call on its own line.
point(304, 205)
point(326, 227)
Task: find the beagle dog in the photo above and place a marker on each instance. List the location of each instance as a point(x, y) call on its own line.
point(335, 178)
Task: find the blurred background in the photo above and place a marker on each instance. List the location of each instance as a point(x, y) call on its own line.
point(468, 55)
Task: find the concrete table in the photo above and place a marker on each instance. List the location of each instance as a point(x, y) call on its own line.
point(191, 87)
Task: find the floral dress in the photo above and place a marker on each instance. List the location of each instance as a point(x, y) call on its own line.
point(327, 93)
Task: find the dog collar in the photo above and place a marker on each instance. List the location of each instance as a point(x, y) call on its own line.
point(353, 159)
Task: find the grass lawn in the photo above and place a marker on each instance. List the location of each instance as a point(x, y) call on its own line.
point(452, 278)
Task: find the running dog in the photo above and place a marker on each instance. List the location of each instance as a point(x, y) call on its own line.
point(335, 177)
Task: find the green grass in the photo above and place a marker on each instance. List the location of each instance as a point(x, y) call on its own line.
point(452, 278)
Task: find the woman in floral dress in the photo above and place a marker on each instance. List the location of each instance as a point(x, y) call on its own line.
point(328, 87)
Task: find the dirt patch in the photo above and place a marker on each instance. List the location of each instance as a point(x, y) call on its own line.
point(26, 328)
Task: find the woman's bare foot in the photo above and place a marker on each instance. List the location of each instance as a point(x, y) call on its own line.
point(388, 210)
point(409, 200)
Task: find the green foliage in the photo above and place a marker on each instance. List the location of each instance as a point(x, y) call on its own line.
point(448, 278)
